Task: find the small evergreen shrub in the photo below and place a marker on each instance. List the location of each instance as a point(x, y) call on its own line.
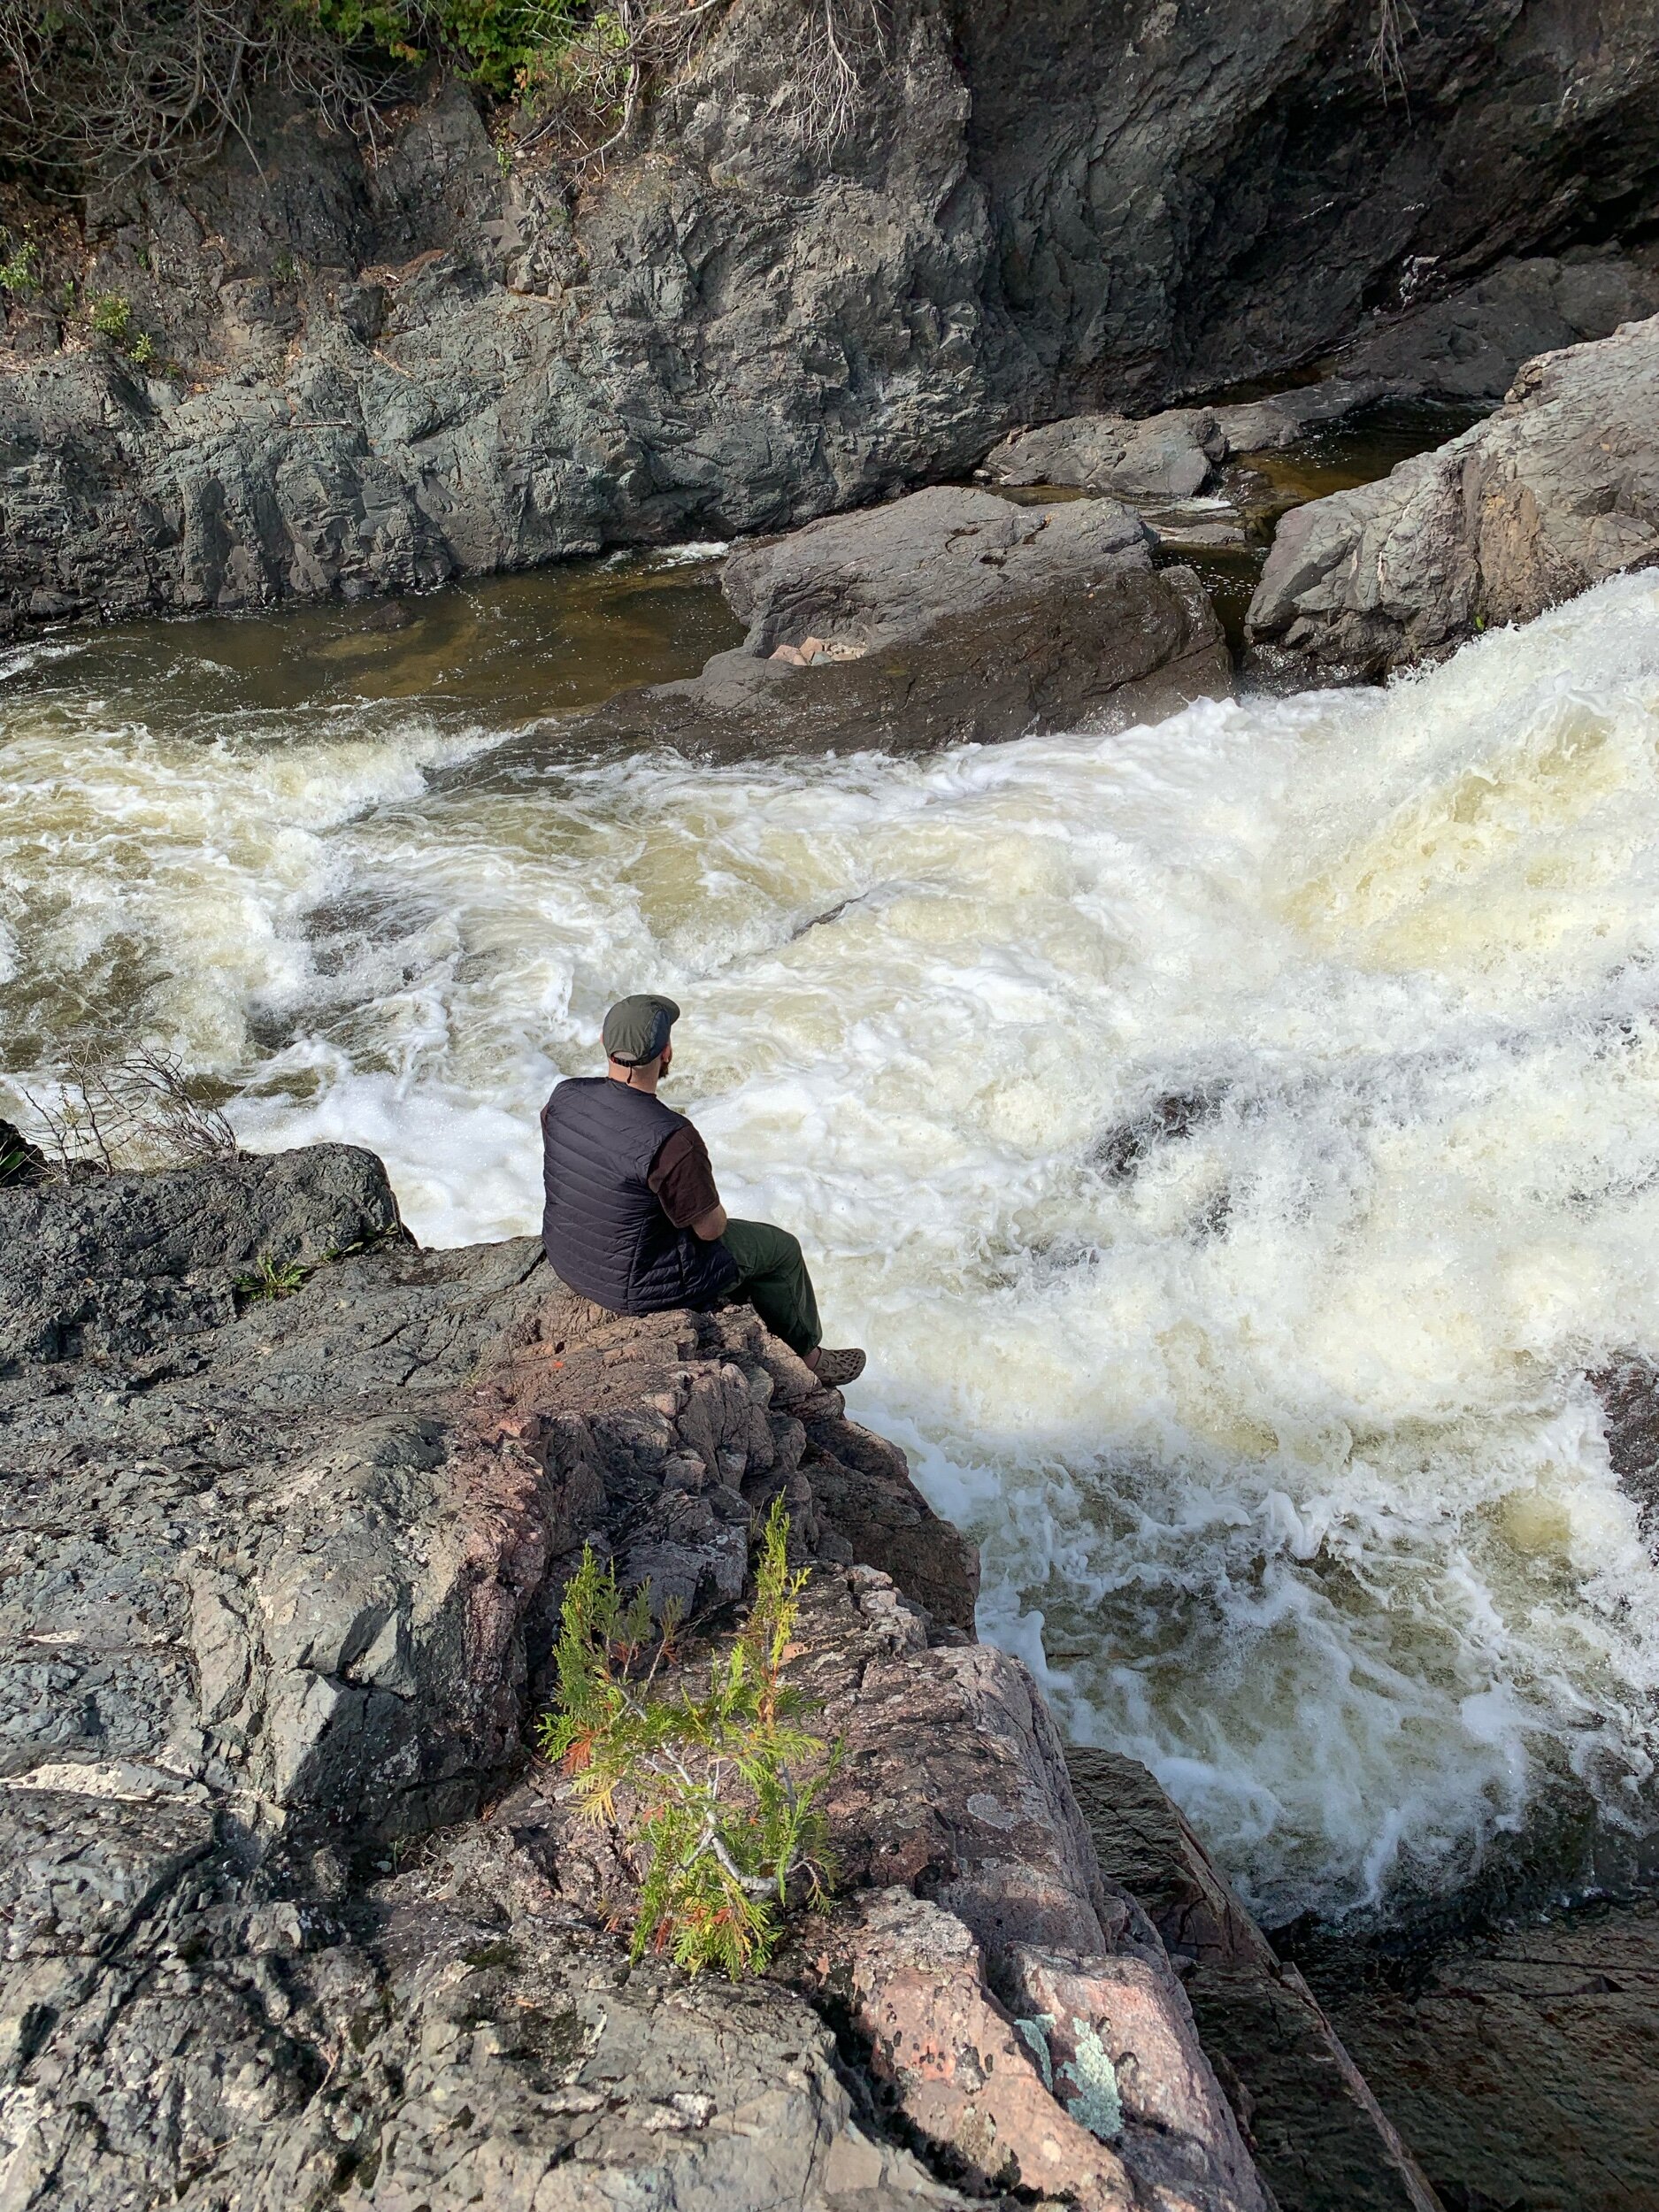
point(708, 1787)
point(110, 316)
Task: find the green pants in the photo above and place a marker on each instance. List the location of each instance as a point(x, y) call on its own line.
point(771, 1277)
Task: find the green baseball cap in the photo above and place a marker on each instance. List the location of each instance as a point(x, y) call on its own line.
point(636, 1029)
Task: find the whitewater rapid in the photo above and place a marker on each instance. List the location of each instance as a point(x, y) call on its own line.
point(1236, 1140)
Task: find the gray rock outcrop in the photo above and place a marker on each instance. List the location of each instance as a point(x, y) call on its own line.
point(1558, 490)
point(892, 573)
point(1466, 347)
point(1471, 343)
point(401, 370)
point(1319, 2134)
point(288, 1915)
point(948, 616)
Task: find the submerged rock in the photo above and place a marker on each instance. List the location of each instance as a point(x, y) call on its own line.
point(1521, 2061)
point(1629, 1392)
point(1558, 490)
point(287, 1913)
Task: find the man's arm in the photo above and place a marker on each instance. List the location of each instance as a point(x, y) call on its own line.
point(683, 1180)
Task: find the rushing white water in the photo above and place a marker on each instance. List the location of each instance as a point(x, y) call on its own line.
point(1269, 1414)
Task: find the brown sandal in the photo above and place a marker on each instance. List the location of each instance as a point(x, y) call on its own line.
point(835, 1369)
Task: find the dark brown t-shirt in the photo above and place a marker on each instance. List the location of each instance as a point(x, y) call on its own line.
point(682, 1178)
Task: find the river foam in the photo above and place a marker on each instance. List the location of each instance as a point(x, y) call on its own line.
point(1235, 1140)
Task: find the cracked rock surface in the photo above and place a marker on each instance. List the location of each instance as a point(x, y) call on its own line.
point(289, 1916)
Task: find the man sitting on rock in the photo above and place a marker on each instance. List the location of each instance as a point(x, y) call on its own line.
point(632, 1218)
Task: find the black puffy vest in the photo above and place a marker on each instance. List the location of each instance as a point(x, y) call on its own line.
point(604, 1227)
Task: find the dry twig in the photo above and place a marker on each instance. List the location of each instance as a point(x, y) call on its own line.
point(1394, 24)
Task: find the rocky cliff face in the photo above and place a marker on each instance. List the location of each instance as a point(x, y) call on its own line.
point(408, 370)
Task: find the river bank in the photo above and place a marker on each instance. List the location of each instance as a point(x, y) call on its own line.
point(1263, 1346)
point(1100, 1319)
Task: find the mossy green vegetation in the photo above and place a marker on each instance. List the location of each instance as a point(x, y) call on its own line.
point(20, 267)
point(718, 1789)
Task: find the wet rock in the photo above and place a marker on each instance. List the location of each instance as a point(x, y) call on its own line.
point(1467, 347)
point(1558, 490)
point(1629, 1391)
point(1520, 2062)
point(1286, 419)
point(1124, 1150)
point(1165, 459)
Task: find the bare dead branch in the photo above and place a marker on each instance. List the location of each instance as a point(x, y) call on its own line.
point(112, 86)
point(137, 1107)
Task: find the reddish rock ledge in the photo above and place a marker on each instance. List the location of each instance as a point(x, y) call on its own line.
point(290, 1913)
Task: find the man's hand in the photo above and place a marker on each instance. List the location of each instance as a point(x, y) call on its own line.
point(711, 1225)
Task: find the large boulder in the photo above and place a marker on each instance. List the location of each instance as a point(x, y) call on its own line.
point(1166, 456)
point(1555, 491)
point(893, 573)
point(948, 616)
point(1174, 455)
